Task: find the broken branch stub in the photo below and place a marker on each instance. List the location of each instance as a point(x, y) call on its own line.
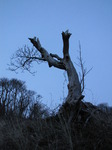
point(65, 36)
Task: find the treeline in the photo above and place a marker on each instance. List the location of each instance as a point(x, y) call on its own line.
point(17, 100)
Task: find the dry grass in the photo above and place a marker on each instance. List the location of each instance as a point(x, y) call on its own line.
point(82, 127)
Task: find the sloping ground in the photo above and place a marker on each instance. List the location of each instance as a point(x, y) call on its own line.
point(80, 126)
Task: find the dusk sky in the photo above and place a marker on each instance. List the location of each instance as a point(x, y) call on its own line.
point(89, 21)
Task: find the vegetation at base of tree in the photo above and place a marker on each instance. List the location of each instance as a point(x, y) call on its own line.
point(80, 126)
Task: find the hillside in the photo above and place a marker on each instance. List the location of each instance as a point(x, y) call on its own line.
point(79, 126)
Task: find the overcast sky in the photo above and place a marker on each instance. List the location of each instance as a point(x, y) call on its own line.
point(89, 21)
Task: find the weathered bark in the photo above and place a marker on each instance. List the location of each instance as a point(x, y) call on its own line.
point(65, 63)
point(74, 86)
point(46, 56)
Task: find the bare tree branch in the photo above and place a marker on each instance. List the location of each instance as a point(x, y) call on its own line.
point(84, 71)
point(47, 57)
point(24, 58)
point(56, 56)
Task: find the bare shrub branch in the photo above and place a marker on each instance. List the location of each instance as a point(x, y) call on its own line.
point(23, 59)
point(84, 70)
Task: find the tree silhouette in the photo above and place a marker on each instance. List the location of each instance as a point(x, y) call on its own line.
point(14, 97)
point(24, 58)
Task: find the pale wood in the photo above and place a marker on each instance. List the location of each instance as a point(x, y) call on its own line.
point(65, 63)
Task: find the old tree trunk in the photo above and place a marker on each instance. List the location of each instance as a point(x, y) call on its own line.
point(65, 63)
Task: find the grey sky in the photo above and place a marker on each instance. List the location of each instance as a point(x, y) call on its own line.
point(89, 21)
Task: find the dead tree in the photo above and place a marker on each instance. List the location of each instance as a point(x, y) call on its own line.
point(27, 56)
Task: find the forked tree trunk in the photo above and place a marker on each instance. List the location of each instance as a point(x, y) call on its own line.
point(74, 86)
point(65, 63)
